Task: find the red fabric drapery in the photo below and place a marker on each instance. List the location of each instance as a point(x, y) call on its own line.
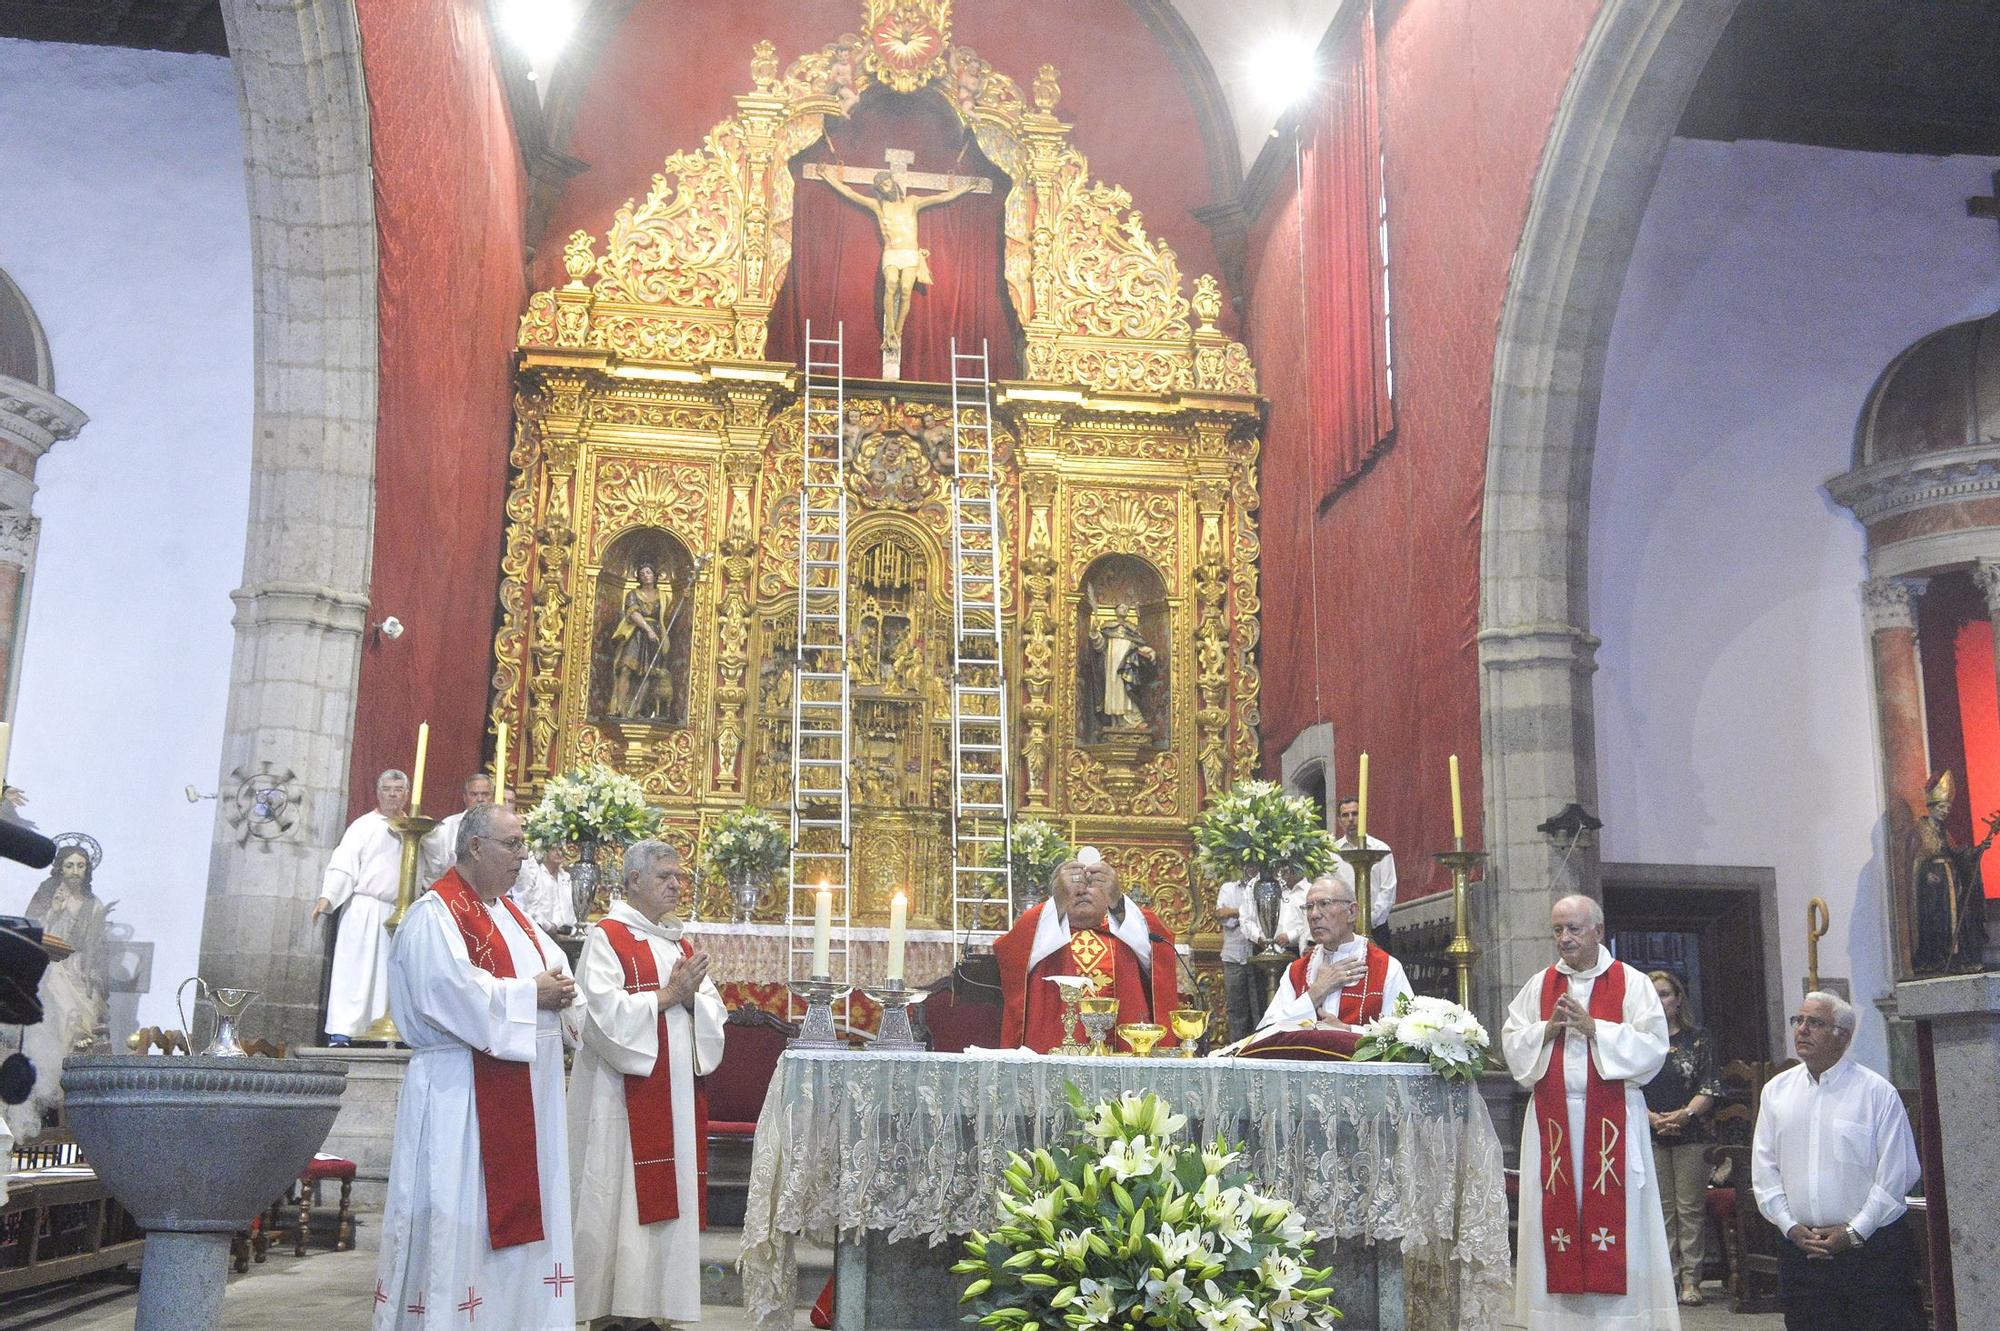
point(1345, 302)
point(837, 251)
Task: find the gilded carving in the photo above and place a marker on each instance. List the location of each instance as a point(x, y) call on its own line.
point(670, 495)
point(1147, 788)
point(1137, 522)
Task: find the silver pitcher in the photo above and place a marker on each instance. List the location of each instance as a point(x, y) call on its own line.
point(229, 1005)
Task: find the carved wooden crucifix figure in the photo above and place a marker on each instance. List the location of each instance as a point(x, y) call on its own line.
point(905, 265)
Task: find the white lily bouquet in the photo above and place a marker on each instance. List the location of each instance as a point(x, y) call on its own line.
point(590, 804)
point(1127, 1228)
point(745, 841)
point(1426, 1030)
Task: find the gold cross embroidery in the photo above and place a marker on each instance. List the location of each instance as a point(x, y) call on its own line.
point(1092, 957)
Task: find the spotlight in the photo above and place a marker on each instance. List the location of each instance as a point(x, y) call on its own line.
point(1286, 67)
point(538, 27)
point(390, 628)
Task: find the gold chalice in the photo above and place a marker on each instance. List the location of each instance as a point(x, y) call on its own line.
point(1190, 1024)
point(1073, 988)
point(1142, 1036)
point(1099, 1016)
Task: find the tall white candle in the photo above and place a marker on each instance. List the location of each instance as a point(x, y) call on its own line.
point(899, 917)
point(417, 777)
point(6, 743)
point(822, 930)
point(1457, 806)
point(500, 767)
point(1361, 813)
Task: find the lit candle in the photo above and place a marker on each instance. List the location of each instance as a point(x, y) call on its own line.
point(822, 930)
point(1361, 813)
point(6, 742)
point(417, 777)
point(500, 767)
point(899, 918)
point(1457, 806)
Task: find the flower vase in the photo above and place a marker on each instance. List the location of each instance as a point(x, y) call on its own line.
point(583, 877)
point(745, 887)
point(1267, 894)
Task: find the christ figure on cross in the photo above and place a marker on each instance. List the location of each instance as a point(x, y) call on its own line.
point(905, 265)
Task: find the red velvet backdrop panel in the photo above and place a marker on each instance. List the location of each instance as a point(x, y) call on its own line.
point(1979, 717)
point(1372, 608)
point(672, 69)
point(1348, 362)
point(836, 277)
point(448, 206)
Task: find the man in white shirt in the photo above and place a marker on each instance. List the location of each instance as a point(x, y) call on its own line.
point(1831, 1163)
point(441, 846)
point(544, 891)
point(362, 876)
point(1585, 1035)
point(1345, 980)
point(1382, 882)
point(638, 1113)
point(1242, 936)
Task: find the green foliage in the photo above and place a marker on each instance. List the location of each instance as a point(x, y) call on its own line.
point(591, 803)
point(1126, 1228)
point(1257, 828)
point(1033, 852)
point(745, 841)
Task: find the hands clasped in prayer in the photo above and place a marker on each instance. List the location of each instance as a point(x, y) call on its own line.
point(554, 991)
point(1571, 1015)
point(684, 985)
point(1821, 1242)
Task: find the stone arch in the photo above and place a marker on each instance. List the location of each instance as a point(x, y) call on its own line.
point(303, 605)
point(1536, 654)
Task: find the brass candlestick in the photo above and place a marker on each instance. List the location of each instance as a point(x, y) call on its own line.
point(410, 829)
point(1463, 951)
point(1363, 859)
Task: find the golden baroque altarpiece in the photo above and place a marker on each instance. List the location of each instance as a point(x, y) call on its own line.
point(656, 458)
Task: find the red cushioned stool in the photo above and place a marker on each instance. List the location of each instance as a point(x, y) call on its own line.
point(321, 1169)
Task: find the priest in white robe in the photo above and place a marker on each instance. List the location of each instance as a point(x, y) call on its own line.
point(1585, 1035)
point(476, 1231)
point(652, 1029)
point(362, 877)
point(1345, 980)
point(440, 848)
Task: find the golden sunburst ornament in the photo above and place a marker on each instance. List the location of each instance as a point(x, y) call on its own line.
point(906, 41)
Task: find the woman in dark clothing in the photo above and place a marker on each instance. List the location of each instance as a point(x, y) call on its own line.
point(1678, 1102)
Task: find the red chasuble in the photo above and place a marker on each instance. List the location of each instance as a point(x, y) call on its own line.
point(1031, 1011)
point(649, 1100)
point(503, 1092)
point(1583, 1253)
point(1358, 1003)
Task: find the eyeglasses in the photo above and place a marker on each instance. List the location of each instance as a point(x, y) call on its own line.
point(511, 843)
point(1810, 1024)
point(1312, 906)
point(1573, 930)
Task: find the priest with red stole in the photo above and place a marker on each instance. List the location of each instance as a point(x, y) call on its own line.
point(1344, 979)
point(1585, 1035)
point(1088, 928)
point(638, 1109)
point(476, 1230)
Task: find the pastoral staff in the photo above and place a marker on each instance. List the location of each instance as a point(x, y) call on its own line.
point(638, 1112)
point(1345, 979)
point(476, 1230)
point(1089, 928)
point(1585, 1036)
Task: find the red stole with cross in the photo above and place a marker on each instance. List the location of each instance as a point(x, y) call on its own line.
point(503, 1092)
point(649, 1100)
point(1358, 1003)
point(1583, 1249)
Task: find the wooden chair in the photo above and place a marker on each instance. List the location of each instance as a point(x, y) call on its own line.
point(752, 1042)
point(287, 1217)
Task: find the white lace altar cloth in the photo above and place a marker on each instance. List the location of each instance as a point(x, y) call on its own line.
point(914, 1145)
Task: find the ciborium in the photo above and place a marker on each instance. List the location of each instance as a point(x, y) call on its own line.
point(1190, 1024)
point(1141, 1036)
point(1072, 988)
point(229, 1005)
point(1099, 1016)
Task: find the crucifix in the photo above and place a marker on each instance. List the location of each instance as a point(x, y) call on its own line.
point(905, 266)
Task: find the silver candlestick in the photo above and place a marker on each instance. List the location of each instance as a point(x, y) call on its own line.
point(895, 998)
point(816, 1032)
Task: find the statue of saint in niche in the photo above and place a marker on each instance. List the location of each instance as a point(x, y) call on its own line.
point(1950, 902)
point(1125, 662)
point(641, 635)
point(1123, 649)
point(640, 689)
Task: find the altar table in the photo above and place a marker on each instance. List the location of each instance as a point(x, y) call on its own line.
point(886, 1148)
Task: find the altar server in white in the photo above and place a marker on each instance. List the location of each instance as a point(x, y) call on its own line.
point(544, 891)
point(476, 1231)
point(1345, 980)
point(440, 848)
point(638, 1112)
point(1585, 1035)
point(362, 876)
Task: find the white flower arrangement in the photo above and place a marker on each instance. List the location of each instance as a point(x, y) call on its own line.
point(591, 803)
point(1256, 828)
point(1034, 849)
point(1128, 1228)
point(745, 842)
point(1426, 1030)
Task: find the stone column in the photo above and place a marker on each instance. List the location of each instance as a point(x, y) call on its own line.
point(1986, 573)
point(32, 420)
point(1963, 1014)
point(1539, 753)
point(303, 605)
point(1888, 604)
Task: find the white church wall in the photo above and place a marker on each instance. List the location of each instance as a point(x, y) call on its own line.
point(1735, 723)
point(128, 229)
